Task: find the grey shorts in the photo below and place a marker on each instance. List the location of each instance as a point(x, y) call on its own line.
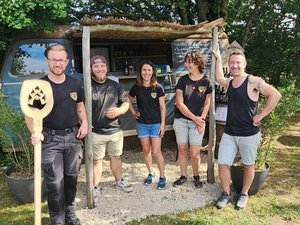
point(113, 143)
point(186, 132)
point(246, 146)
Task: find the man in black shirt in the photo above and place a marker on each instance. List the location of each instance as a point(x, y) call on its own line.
point(61, 145)
point(109, 101)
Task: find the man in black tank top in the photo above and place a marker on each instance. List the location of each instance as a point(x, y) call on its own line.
point(63, 130)
point(241, 131)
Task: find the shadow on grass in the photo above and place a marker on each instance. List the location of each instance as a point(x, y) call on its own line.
point(289, 140)
point(285, 169)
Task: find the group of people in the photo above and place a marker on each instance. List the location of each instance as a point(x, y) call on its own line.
point(66, 125)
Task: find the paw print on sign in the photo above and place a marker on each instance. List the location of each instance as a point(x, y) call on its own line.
point(37, 98)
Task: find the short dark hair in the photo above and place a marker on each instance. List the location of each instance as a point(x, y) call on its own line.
point(198, 58)
point(55, 47)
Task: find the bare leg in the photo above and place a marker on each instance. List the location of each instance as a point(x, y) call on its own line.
point(248, 176)
point(116, 166)
point(182, 157)
point(195, 158)
point(147, 153)
point(224, 176)
point(156, 149)
point(97, 172)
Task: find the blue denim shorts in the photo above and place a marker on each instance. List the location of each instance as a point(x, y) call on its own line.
point(147, 130)
point(246, 146)
point(186, 132)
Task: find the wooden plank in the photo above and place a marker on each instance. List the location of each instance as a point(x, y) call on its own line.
point(88, 105)
point(212, 121)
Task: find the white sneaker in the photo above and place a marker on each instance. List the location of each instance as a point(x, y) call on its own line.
point(96, 193)
point(242, 201)
point(124, 185)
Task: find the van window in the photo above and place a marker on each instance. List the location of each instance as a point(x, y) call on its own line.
point(29, 60)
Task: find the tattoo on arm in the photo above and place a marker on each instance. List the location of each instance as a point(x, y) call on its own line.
point(257, 84)
point(179, 92)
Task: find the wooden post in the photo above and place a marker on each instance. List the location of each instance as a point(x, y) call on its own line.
point(31, 91)
point(212, 120)
point(88, 105)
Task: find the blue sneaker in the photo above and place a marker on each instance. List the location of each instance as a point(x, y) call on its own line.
point(149, 179)
point(161, 185)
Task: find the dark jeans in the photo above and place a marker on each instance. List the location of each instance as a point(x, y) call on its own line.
point(61, 160)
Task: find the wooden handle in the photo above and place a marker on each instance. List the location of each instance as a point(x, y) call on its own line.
point(36, 101)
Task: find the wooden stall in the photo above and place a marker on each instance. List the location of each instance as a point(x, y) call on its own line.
point(126, 43)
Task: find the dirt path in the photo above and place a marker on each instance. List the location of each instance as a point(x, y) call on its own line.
point(116, 207)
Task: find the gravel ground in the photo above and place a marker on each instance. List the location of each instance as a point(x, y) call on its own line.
point(117, 207)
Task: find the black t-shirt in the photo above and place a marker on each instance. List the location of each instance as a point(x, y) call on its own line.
point(104, 96)
point(66, 95)
point(148, 102)
point(194, 94)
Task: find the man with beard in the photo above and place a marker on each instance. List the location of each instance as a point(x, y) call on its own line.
point(241, 132)
point(109, 101)
point(63, 130)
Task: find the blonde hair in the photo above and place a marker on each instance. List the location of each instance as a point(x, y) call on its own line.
point(55, 47)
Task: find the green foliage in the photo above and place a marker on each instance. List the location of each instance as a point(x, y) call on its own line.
point(29, 14)
point(276, 122)
point(269, 31)
point(181, 11)
point(15, 139)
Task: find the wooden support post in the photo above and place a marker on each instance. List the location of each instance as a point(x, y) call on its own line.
point(212, 120)
point(88, 105)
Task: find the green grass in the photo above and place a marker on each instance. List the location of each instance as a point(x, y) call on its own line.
point(14, 213)
point(278, 202)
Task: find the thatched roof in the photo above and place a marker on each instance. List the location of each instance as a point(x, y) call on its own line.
point(111, 28)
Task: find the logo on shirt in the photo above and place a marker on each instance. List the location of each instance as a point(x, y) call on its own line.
point(153, 95)
point(74, 96)
point(201, 89)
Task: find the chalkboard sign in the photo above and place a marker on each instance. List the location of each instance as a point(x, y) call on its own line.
point(181, 47)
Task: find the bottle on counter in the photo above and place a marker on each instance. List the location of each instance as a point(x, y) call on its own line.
point(126, 68)
point(167, 84)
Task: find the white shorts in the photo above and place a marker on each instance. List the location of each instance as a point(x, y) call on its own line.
point(246, 146)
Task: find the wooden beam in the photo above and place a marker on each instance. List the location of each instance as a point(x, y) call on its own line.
point(212, 112)
point(88, 105)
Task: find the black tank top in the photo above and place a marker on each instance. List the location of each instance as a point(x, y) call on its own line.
point(241, 110)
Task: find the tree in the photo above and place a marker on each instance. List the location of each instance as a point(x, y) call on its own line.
point(182, 11)
point(35, 15)
point(269, 33)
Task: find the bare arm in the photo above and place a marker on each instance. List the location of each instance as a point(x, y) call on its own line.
point(35, 138)
point(223, 81)
point(81, 112)
point(29, 123)
point(184, 109)
point(162, 105)
point(273, 97)
point(206, 106)
point(134, 112)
